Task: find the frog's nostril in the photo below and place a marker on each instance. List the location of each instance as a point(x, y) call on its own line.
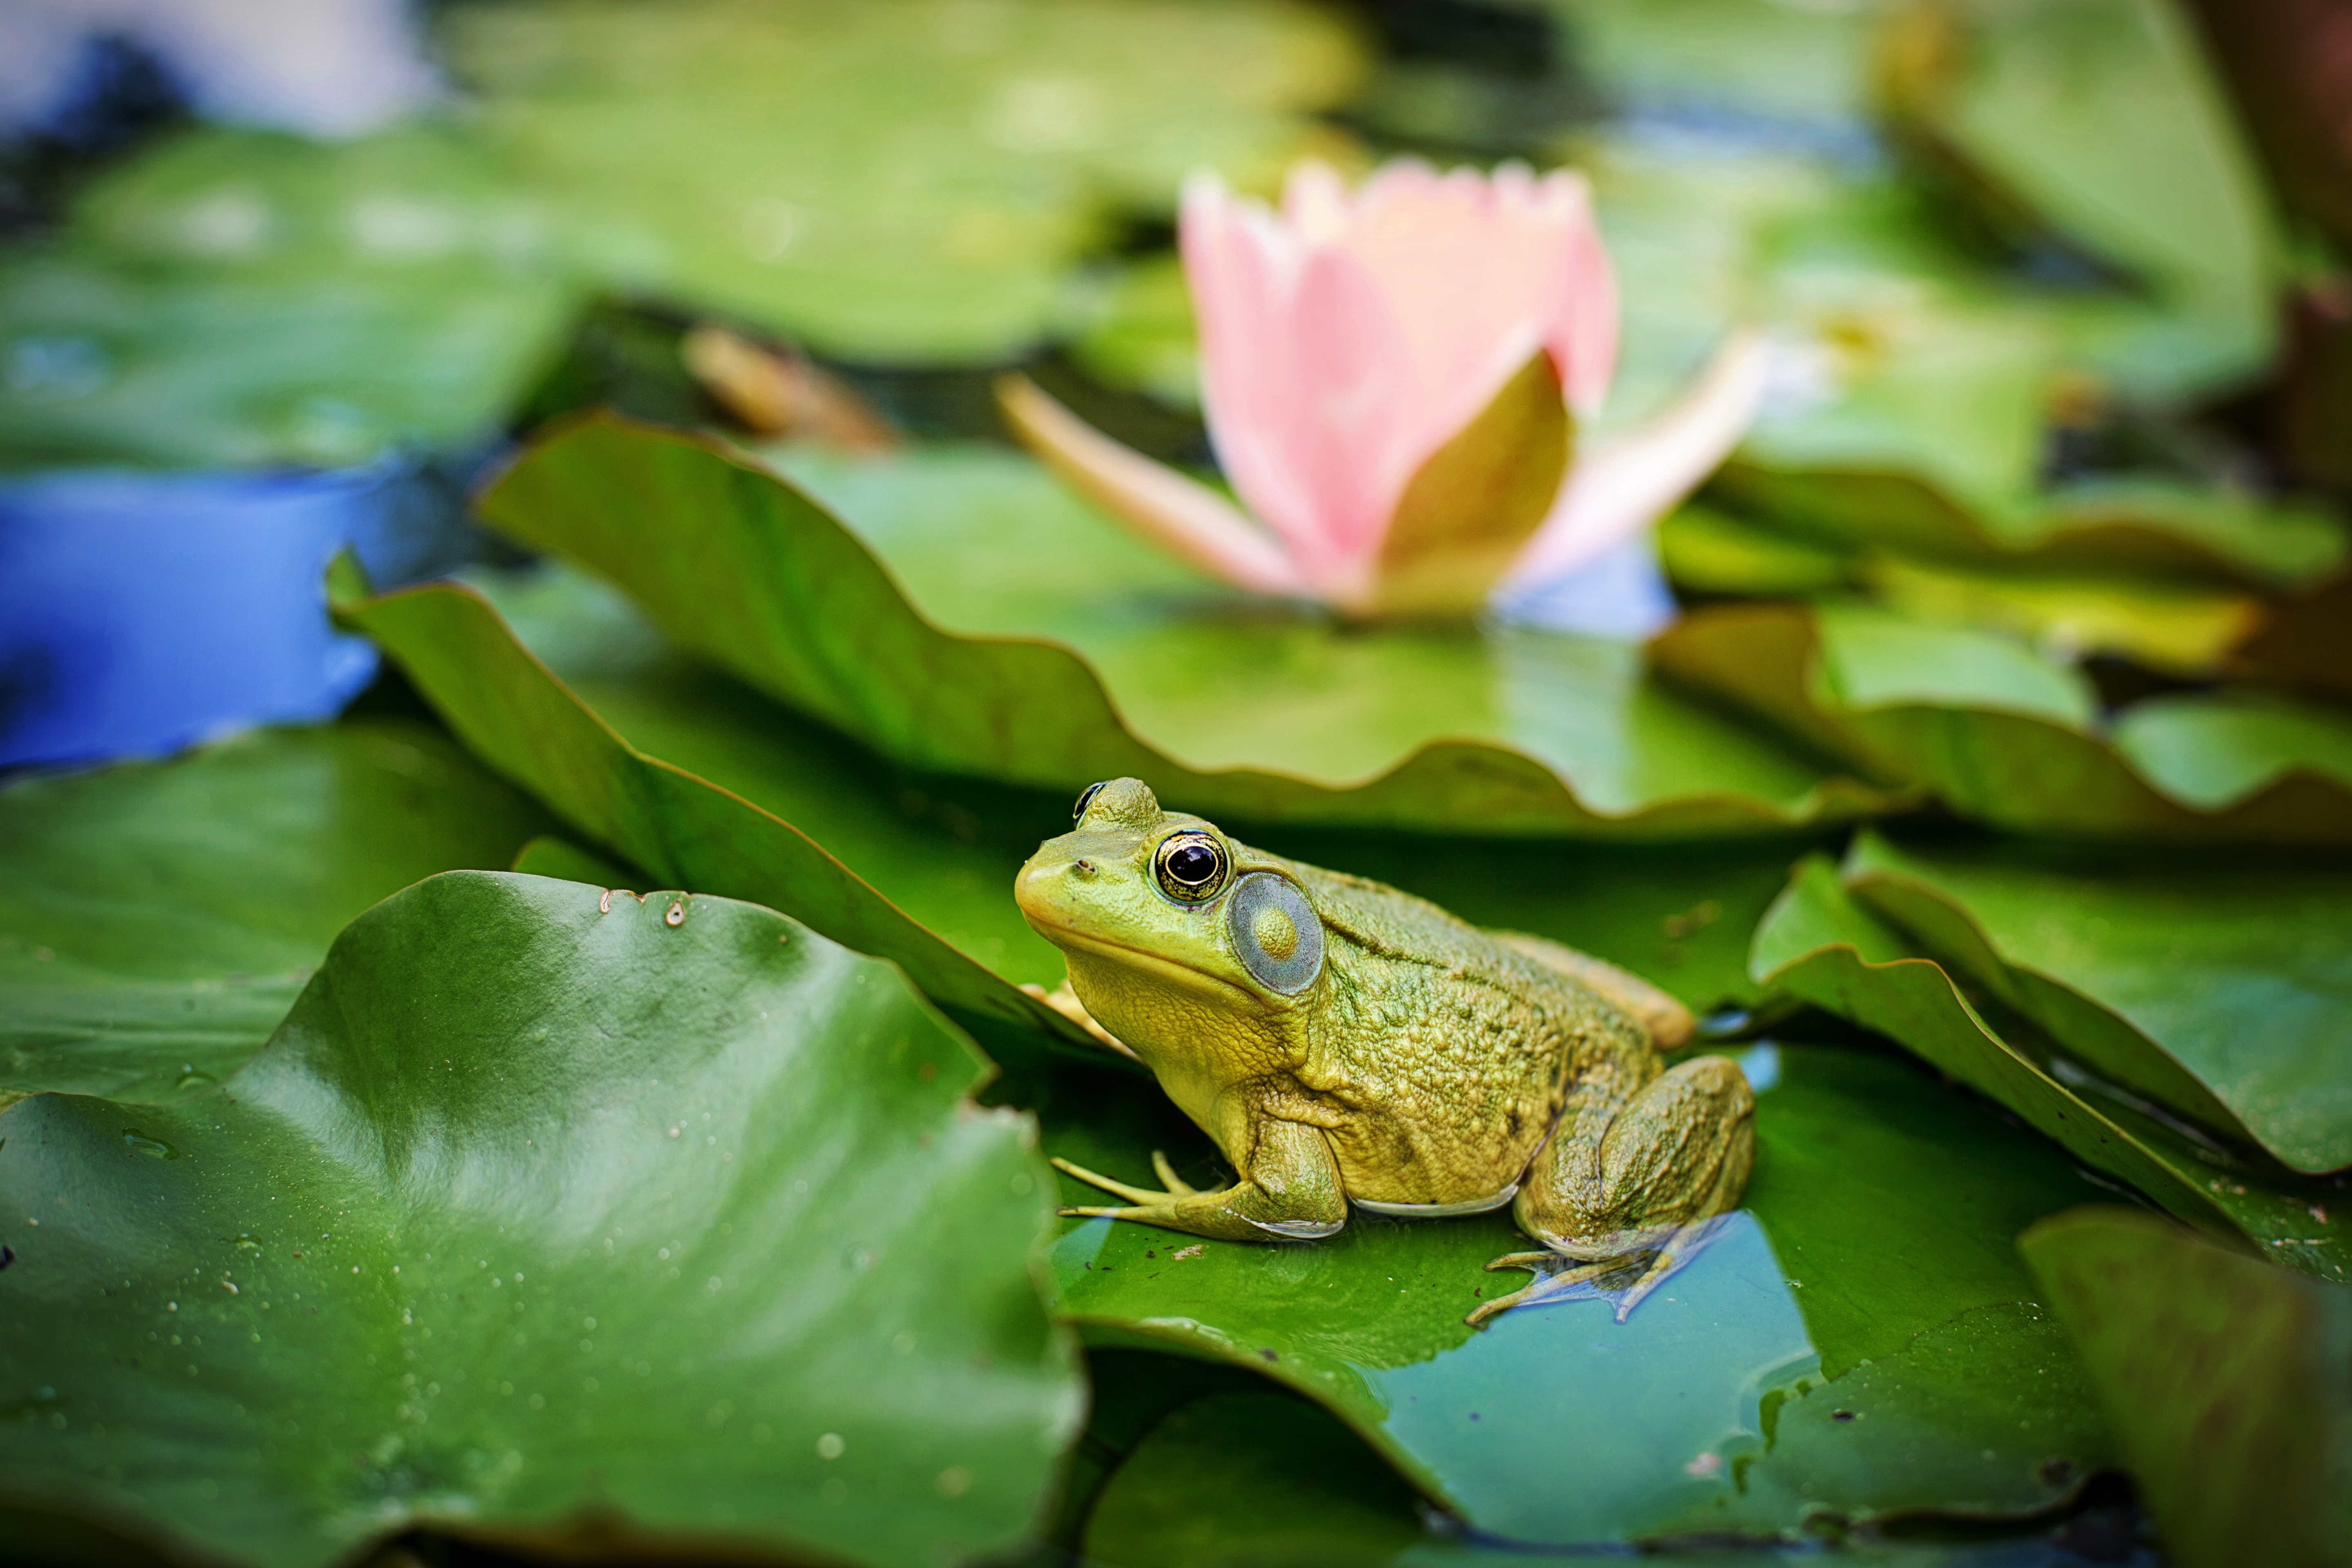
point(1083, 867)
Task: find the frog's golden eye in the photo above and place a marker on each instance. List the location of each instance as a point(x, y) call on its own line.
point(1086, 799)
point(1191, 867)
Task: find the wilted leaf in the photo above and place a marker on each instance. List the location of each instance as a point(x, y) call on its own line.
point(1872, 1273)
point(668, 1213)
point(157, 919)
point(2225, 1380)
point(1822, 944)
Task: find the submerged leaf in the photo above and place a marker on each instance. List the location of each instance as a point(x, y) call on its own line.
point(157, 919)
point(544, 1203)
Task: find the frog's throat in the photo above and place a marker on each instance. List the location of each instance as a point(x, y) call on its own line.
point(1064, 936)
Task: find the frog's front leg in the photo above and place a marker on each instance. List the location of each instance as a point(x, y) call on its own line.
point(1625, 1175)
point(1289, 1190)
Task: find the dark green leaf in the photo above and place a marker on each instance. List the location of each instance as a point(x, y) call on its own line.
point(1873, 1273)
point(157, 919)
point(2229, 1383)
point(1820, 943)
point(545, 1202)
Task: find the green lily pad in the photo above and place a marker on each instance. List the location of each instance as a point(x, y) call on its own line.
point(881, 190)
point(1871, 1274)
point(1242, 707)
point(243, 300)
point(2006, 736)
point(2222, 990)
point(158, 918)
point(527, 726)
point(668, 1213)
point(2226, 1381)
point(2099, 119)
point(1821, 943)
point(1805, 65)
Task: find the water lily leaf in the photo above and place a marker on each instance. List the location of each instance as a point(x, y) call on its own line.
point(1710, 551)
point(1242, 707)
point(1823, 944)
point(238, 299)
point(551, 855)
point(158, 918)
point(1872, 1273)
point(879, 190)
point(2176, 628)
point(2224, 1379)
point(529, 727)
point(767, 1285)
point(1782, 65)
point(2219, 989)
point(2099, 119)
point(2005, 736)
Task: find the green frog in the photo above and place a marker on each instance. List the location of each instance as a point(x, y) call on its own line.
point(1342, 1042)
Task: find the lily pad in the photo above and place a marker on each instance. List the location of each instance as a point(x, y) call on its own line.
point(883, 188)
point(667, 1213)
point(158, 918)
point(1242, 707)
point(2225, 1380)
point(1872, 1274)
point(2006, 736)
point(527, 726)
point(1821, 943)
point(2220, 989)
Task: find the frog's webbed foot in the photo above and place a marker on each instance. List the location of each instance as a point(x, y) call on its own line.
point(1550, 1279)
point(1143, 1197)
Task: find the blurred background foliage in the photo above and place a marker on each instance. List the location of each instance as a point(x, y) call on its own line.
point(1992, 796)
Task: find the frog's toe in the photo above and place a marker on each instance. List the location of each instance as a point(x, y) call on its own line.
point(1546, 1281)
point(1132, 1195)
point(1169, 1178)
point(1521, 1261)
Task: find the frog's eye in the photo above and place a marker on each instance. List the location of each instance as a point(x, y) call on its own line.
point(1086, 799)
point(1191, 867)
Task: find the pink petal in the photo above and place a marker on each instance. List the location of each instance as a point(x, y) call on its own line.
point(1177, 512)
point(1613, 492)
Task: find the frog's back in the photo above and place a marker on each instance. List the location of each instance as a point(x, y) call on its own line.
point(1452, 1045)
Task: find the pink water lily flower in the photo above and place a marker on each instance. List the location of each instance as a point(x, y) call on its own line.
point(1394, 380)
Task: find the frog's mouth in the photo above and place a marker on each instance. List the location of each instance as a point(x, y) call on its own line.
point(1062, 935)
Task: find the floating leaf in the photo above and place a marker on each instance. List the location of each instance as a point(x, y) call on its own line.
point(2007, 737)
point(526, 725)
point(671, 1211)
point(2225, 1380)
point(2220, 988)
point(1244, 708)
point(157, 919)
point(1873, 1273)
point(1822, 944)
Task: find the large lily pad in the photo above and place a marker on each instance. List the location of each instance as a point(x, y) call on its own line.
point(2226, 1380)
point(1243, 708)
point(2220, 989)
point(158, 918)
point(544, 1203)
point(1820, 942)
point(526, 725)
point(1859, 1341)
point(2006, 736)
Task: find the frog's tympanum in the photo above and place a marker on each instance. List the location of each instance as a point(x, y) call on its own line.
point(1346, 1043)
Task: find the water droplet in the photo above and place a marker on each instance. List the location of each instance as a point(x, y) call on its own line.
point(676, 916)
point(154, 1148)
point(830, 1445)
point(191, 1075)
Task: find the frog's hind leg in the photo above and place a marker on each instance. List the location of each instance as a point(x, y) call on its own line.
point(1605, 1190)
point(1550, 1279)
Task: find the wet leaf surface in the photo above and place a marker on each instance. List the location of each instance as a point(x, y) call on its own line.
point(2006, 736)
point(1246, 708)
point(2221, 989)
point(1821, 943)
point(666, 1212)
point(158, 918)
point(2226, 1381)
point(1872, 1273)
